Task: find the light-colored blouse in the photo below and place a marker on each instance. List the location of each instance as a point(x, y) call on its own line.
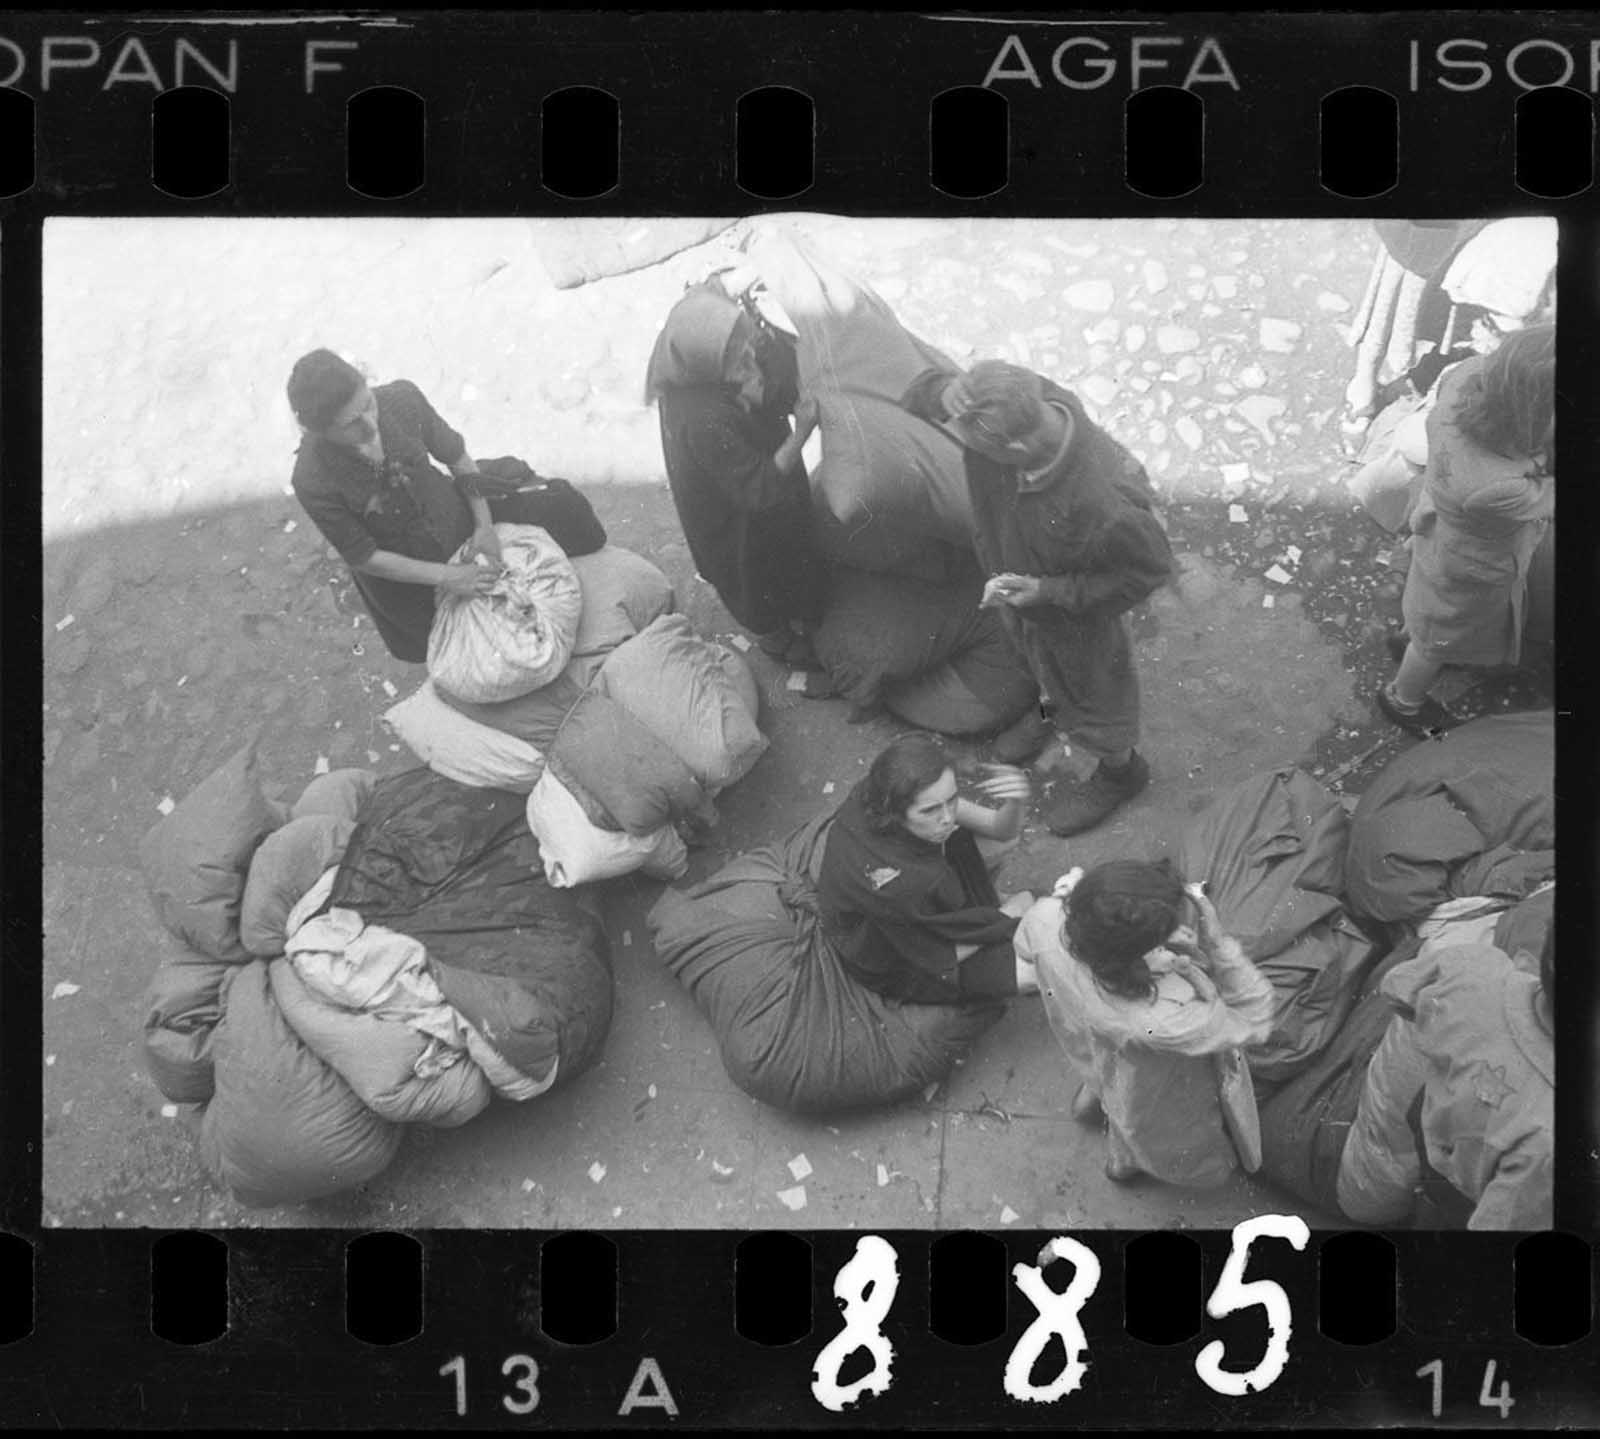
point(1152, 1062)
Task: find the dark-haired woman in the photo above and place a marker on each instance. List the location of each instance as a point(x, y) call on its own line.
point(1488, 496)
point(1145, 1004)
point(364, 474)
point(905, 894)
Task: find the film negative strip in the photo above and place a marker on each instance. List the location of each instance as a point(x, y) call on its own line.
point(426, 1048)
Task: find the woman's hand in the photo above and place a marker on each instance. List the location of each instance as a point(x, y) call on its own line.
point(465, 581)
point(486, 542)
point(1013, 590)
point(1005, 783)
point(1208, 925)
point(955, 397)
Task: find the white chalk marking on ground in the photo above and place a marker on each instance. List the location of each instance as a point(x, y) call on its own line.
point(883, 1176)
point(616, 1212)
point(289, 527)
point(1268, 602)
point(740, 643)
point(597, 1171)
point(800, 1166)
point(651, 1091)
point(321, 766)
point(372, 756)
point(1278, 575)
point(169, 1111)
point(796, 681)
point(64, 621)
point(64, 989)
point(389, 689)
point(828, 788)
point(166, 804)
point(793, 1198)
point(1008, 1215)
point(182, 681)
point(49, 1059)
point(1238, 515)
point(394, 749)
point(527, 1186)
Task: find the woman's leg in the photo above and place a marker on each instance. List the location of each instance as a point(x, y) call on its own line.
point(1414, 678)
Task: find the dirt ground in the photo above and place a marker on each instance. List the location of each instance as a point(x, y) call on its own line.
point(174, 617)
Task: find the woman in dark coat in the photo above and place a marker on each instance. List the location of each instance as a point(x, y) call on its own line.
point(735, 469)
point(364, 474)
point(905, 894)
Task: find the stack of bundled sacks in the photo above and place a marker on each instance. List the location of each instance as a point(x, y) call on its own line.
point(1452, 845)
point(796, 1029)
point(381, 954)
point(902, 628)
point(575, 684)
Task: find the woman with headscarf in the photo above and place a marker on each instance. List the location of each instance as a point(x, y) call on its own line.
point(1487, 500)
point(735, 469)
point(1152, 1013)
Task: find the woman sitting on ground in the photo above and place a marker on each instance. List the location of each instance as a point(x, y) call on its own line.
point(1145, 1006)
point(905, 893)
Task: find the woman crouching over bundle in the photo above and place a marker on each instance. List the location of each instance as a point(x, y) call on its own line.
point(905, 893)
point(1152, 1011)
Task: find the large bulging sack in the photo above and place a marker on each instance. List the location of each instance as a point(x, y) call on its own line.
point(534, 718)
point(340, 793)
point(621, 760)
point(459, 870)
point(194, 860)
point(575, 849)
point(183, 1005)
point(1305, 1122)
point(924, 650)
point(858, 360)
point(1272, 851)
point(378, 1058)
point(1471, 813)
point(796, 1030)
point(285, 865)
point(622, 594)
point(678, 686)
point(519, 636)
point(282, 1126)
point(462, 748)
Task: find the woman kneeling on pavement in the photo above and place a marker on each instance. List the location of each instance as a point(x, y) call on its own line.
point(906, 895)
point(362, 474)
point(1150, 1010)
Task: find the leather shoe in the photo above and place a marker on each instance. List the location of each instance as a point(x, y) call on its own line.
point(1428, 722)
point(1085, 805)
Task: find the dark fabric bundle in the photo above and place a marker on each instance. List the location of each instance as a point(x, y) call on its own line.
point(1470, 813)
point(458, 869)
point(795, 1029)
point(1272, 850)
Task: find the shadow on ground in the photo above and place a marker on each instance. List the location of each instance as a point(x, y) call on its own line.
point(165, 640)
